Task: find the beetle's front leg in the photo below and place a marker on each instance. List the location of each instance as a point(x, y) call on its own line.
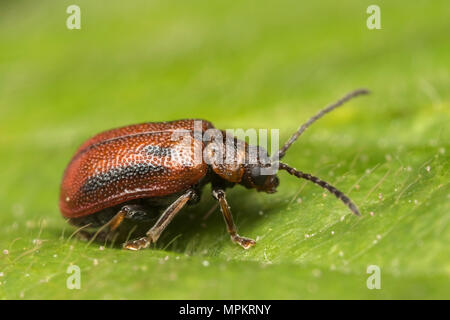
point(245, 243)
point(154, 233)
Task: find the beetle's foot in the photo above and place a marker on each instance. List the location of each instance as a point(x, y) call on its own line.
point(137, 244)
point(245, 243)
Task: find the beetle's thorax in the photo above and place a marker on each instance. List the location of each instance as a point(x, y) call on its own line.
point(236, 161)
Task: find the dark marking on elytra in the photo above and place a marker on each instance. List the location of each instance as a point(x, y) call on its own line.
point(158, 151)
point(113, 175)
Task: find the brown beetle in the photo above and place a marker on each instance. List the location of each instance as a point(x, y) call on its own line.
point(124, 173)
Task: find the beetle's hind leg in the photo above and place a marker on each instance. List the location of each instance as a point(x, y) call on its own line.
point(166, 217)
point(245, 243)
point(108, 230)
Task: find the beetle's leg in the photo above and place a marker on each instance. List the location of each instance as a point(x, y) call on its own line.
point(117, 220)
point(165, 218)
point(129, 211)
point(245, 243)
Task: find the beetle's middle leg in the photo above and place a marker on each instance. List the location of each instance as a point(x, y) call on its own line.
point(245, 243)
point(166, 217)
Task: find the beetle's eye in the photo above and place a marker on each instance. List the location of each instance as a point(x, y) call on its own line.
point(256, 176)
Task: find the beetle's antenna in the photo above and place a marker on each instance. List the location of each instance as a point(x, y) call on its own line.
point(339, 194)
point(319, 115)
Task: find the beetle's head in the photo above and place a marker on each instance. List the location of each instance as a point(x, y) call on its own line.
point(259, 173)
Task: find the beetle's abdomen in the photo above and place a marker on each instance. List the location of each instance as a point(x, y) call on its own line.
point(129, 164)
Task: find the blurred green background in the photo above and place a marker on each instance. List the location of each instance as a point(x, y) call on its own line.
point(246, 64)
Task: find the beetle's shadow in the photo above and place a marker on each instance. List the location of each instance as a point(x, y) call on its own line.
point(200, 227)
point(196, 227)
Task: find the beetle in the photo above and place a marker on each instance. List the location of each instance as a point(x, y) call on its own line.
point(126, 173)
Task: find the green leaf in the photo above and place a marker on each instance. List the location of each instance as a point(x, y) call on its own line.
point(240, 65)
